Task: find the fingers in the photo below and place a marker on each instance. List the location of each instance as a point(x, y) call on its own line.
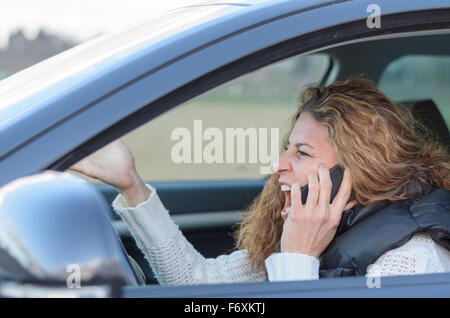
point(296, 198)
point(313, 190)
point(78, 167)
point(325, 187)
point(84, 167)
point(341, 199)
point(319, 194)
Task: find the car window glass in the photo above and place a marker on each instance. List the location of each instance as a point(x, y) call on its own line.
point(419, 77)
point(257, 103)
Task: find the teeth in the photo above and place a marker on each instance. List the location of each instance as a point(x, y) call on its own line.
point(285, 188)
point(288, 209)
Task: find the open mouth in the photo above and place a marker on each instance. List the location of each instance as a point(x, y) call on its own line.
point(287, 205)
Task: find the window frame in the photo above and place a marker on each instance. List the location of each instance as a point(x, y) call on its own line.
point(414, 285)
point(429, 20)
point(327, 64)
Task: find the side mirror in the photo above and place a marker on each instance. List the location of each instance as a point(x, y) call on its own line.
point(54, 227)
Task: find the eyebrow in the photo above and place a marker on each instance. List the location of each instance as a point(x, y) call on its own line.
point(299, 144)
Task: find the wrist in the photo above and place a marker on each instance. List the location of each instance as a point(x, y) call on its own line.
point(298, 251)
point(136, 192)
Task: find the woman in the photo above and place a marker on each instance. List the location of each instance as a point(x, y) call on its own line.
point(398, 224)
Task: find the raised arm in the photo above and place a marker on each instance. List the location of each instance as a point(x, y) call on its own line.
point(173, 259)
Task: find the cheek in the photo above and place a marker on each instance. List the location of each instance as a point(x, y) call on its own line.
point(302, 169)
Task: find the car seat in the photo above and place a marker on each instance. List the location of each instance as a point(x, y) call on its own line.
point(427, 112)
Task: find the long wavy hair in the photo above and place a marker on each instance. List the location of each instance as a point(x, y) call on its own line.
point(379, 141)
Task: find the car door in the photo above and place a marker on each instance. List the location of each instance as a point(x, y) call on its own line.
point(216, 64)
point(207, 196)
point(208, 210)
point(358, 286)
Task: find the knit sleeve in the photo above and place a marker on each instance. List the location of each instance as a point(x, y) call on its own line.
point(173, 259)
point(292, 266)
point(420, 255)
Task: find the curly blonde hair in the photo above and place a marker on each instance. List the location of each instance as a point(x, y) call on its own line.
point(379, 141)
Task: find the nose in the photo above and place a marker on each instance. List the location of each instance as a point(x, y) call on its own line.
point(284, 164)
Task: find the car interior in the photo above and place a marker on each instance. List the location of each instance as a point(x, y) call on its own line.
point(207, 211)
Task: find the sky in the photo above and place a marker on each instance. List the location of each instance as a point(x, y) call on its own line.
point(79, 20)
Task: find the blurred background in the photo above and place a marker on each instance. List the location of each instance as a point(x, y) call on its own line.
point(31, 31)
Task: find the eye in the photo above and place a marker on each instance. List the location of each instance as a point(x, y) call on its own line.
point(302, 153)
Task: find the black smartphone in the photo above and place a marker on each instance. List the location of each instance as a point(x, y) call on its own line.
point(336, 176)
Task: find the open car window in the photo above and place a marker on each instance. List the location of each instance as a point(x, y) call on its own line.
point(253, 109)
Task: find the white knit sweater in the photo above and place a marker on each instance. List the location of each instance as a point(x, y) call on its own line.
point(176, 262)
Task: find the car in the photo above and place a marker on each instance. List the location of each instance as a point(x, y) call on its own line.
point(57, 112)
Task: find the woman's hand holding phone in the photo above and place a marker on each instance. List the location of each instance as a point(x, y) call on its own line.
point(309, 228)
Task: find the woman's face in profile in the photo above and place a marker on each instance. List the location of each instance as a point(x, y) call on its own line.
point(307, 149)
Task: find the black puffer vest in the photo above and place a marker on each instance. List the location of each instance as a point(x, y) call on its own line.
point(366, 232)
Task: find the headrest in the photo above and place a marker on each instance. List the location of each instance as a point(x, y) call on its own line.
point(427, 112)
